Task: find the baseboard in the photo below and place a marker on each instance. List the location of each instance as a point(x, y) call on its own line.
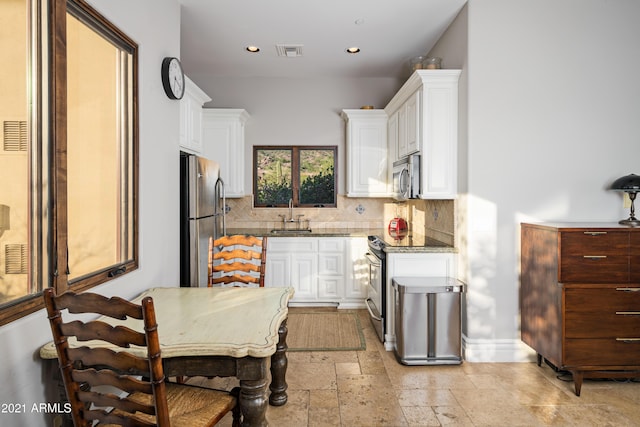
point(496, 350)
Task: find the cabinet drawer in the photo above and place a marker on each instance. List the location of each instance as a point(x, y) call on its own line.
point(331, 245)
point(634, 260)
point(594, 269)
point(594, 256)
point(594, 243)
point(602, 312)
point(292, 244)
point(602, 352)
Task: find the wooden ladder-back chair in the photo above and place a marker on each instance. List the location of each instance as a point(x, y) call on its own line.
point(112, 386)
point(238, 259)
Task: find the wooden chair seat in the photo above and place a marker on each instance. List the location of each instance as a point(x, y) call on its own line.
point(189, 405)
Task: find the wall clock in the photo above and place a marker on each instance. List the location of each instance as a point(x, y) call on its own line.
point(172, 77)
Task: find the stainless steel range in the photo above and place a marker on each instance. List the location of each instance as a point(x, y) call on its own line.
point(376, 301)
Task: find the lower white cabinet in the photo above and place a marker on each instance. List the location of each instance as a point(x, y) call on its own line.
point(322, 270)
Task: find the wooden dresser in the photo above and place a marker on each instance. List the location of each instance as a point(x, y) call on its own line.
point(580, 297)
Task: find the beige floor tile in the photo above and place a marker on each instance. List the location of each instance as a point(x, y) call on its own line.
point(370, 388)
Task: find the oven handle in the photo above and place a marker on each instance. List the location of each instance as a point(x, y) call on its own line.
point(372, 259)
point(373, 316)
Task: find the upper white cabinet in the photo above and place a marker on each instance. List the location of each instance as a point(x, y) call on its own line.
point(427, 122)
point(223, 139)
point(367, 153)
point(191, 117)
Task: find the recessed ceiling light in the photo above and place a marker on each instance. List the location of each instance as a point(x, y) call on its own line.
point(253, 49)
point(353, 49)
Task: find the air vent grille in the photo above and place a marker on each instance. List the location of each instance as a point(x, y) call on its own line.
point(16, 256)
point(15, 135)
point(289, 50)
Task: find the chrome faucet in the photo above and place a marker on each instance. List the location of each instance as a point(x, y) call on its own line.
point(290, 210)
point(286, 220)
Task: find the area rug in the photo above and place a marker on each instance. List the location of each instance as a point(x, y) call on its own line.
point(331, 331)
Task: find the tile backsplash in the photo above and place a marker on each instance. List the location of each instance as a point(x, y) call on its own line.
point(433, 218)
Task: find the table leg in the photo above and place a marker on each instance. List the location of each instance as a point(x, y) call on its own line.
point(253, 402)
point(279, 362)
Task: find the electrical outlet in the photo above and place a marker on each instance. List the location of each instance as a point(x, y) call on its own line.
point(626, 201)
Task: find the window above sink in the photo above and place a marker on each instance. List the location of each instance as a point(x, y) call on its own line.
point(304, 175)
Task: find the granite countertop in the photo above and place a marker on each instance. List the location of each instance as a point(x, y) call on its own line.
point(319, 232)
point(412, 242)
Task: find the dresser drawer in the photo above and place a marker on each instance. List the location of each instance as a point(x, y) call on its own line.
point(602, 352)
point(635, 256)
point(602, 312)
point(594, 256)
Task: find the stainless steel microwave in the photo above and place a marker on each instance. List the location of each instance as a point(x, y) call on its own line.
point(406, 178)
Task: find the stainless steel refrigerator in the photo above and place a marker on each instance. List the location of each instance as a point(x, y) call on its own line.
point(202, 216)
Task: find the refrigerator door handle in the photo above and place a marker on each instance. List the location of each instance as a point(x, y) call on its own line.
point(220, 192)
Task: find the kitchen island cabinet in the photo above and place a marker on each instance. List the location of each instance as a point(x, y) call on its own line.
point(580, 298)
point(322, 270)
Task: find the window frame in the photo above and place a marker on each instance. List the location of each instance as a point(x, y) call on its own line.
point(295, 171)
point(49, 249)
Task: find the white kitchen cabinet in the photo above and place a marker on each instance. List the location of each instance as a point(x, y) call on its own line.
point(367, 153)
point(358, 273)
point(412, 264)
point(406, 139)
point(223, 141)
point(392, 138)
point(322, 270)
point(430, 97)
point(191, 117)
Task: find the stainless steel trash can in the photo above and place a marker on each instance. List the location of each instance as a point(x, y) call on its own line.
point(427, 320)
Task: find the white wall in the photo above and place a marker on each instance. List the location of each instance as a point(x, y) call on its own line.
point(553, 98)
point(304, 111)
point(21, 370)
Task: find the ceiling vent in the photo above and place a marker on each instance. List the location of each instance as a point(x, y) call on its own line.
point(289, 50)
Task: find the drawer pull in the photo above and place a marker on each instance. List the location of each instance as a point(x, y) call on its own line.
point(594, 233)
point(628, 289)
point(594, 256)
point(628, 313)
point(628, 340)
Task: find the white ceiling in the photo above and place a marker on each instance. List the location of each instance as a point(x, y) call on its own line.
point(215, 33)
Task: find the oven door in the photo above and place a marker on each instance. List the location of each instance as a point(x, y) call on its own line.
point(375, 294)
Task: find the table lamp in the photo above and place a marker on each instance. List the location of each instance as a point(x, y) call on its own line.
point(630, 184)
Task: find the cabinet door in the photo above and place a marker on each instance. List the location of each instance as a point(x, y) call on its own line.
point(358, 269)
point(439, 135)
point(402, 132)
point(223, 141)
point(190, 125)
point(304, 278)
point(330, 287)
point(412, 111)
point(191, 117)
point(278, 270)
point(367, 161)
point(392, 139)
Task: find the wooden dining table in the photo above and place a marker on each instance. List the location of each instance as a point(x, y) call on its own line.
point(221, 332)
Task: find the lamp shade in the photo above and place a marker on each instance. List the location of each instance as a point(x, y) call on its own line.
point(629, 183)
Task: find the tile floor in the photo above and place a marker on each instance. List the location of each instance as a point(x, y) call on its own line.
point(369, 388)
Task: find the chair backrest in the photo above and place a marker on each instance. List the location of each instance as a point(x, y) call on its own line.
point(238, 260)
point(98, 378)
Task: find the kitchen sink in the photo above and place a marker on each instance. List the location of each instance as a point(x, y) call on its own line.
point(290, 231)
